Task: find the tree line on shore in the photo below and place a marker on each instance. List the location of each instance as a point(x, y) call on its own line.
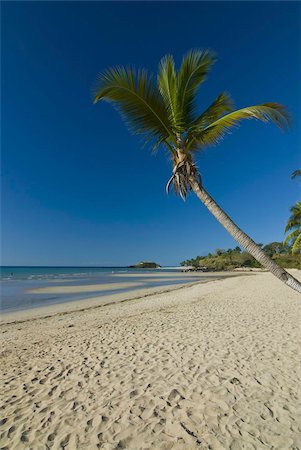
point(236, 258)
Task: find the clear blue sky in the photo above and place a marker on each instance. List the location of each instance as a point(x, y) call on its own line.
point(77, 189)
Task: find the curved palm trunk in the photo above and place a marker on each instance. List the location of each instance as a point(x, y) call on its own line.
point(242, 238)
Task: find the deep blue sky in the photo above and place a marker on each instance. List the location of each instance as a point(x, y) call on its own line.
point(77, 189)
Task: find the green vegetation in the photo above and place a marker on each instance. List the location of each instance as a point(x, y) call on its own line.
point(289, 261)
point(236, 258)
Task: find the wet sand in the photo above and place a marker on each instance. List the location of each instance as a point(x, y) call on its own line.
point(83, 288)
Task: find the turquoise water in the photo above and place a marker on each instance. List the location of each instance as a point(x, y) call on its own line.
point(16, 282)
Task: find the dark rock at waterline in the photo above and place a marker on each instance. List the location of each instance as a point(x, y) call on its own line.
point(145, 265)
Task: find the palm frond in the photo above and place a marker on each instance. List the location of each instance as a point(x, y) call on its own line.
point(291, 236)
point(192, 73)
point(221, 105)
point(297, 244)
point(138, 100)
point(295, 217)
point(296, 173)
point(291, 225)
point(215, 132)
point(294, 226)
point(167, 85)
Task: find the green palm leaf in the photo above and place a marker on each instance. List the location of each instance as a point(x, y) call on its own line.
point(295, 217)
point(291, 236)
point(167, 85)
point(221, 105)
point(138, 100)
point(216, 131)
point(294, 224)
point(193, 71)
point(297, 244)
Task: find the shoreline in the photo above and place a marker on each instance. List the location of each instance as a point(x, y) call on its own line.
point(99, 301)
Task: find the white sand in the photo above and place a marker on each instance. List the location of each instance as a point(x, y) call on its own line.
point(210, 366)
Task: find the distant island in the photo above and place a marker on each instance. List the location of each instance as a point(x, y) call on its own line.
point(145, 265)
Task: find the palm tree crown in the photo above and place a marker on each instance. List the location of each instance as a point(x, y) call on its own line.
point(164, 111)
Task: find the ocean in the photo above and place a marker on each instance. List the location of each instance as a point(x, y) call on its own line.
point(17, 282)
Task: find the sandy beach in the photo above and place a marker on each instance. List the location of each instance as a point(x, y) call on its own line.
point(206, 366)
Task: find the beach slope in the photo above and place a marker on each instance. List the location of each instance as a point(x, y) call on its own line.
point(213, 365)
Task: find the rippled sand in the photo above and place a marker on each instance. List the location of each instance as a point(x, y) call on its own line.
point(210, 366)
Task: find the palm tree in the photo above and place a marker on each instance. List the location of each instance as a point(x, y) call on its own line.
point(294, 225)
point(164, 113)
